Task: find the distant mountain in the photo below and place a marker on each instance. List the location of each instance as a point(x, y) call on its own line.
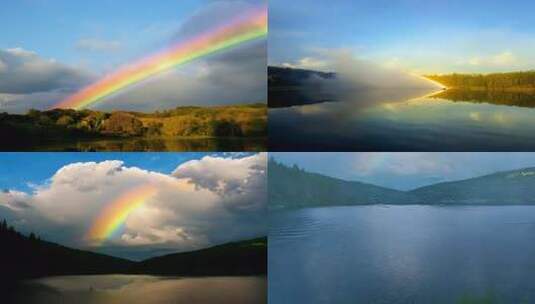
point(502, 188)
point(292, 187)
point(239, 258)
point(25, 257)
point(288, 87)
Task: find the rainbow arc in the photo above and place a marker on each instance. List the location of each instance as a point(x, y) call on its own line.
point(248, 27)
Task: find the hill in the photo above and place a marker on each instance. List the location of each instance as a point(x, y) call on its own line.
point(25, 257)
point(292, 187)
point(29, 257)
point(239, 258)
point(289, 87)
point(516, 187)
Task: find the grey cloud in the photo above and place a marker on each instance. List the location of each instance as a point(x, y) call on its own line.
point(25, 72)
point(212, 15)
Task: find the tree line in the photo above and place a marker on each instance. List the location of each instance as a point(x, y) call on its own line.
point(494, 81)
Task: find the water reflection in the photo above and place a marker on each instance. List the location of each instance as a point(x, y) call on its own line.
point(156, 145)
point(111, 289)
point(403, 120)
point(520, 98)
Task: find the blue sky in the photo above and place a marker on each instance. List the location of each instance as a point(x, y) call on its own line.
point(54, 27)
point(50, 49)
point(407, 170)
point(18, 171)
point(416, 35)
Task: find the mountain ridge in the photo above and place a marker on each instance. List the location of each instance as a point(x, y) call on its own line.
point(27, 257)
point(296, 188)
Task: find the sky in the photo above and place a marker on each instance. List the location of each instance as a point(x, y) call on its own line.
point(416, 36)
point(196, 200)
point(405, 171)
point(52, 48)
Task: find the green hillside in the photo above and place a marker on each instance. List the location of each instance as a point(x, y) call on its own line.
point(502, 188)
point(292, 187)
point(238, 258)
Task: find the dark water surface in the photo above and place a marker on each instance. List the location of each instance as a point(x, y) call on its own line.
point(403, 254)
point(154, 145)
point(408, 120)
point(131, 289)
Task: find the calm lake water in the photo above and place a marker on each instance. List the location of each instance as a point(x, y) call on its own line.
point(131, 289)
point(403, 120)
point(156, 145)
point(403, 254)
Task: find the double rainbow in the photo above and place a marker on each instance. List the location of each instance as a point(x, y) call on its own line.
point(252, 25)
point(116, 212)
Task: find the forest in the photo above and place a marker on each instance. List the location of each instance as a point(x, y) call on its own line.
point(61, 124)
point(28, 256)
point(521, 81)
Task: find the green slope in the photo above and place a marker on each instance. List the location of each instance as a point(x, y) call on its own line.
point(502, 188)
point(291, 187)
point(238, 258)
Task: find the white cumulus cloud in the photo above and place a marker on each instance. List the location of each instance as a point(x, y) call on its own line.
point(204, 202)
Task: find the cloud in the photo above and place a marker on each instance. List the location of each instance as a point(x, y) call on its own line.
point(308, 63)
point(25, 72)
point(232, 77)
point(98, 45)
point(199, 205)
point(234, 179)
point(355, 73)
point(506, 59)
point(236, 77)
point(3, 66)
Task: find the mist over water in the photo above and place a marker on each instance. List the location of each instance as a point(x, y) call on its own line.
point(360, 74)
point(370, 107)
point(356, 75)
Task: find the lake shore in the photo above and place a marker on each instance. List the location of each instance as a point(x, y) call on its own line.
point(108, 289)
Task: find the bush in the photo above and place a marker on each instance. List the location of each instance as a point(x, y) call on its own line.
point(65, 120)
point(226, 128)
point(122, 124)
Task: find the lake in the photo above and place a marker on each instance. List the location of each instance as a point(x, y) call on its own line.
point(408, 120)
point(133, 289)
point(147, 144)
point(403, 254)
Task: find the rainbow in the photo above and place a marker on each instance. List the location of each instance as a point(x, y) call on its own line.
point(252, 25)
point(116, 212)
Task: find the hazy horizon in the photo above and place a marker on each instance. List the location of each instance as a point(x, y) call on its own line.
point(416, 37)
